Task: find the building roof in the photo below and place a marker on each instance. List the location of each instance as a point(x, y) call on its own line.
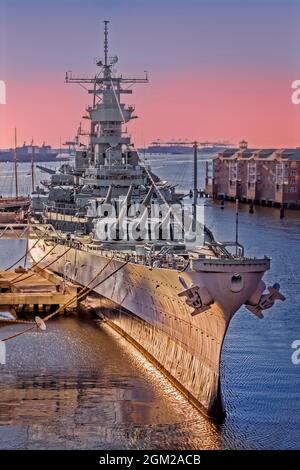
point(271, 154)
point(232, 154)
point(265, 153)
point(227, 153)
point(291, 154)
point(247, 153)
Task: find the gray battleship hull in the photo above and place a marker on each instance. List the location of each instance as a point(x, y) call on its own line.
point(142, 303)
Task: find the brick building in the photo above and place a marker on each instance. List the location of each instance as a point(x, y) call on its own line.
point(263, 176)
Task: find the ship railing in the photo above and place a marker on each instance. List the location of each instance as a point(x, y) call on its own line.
point(166, 259)
point(221, 249)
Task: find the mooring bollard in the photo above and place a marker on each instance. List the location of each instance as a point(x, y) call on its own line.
point(251, 208)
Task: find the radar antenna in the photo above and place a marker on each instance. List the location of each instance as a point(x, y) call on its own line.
point(107, 113)
point(105, 42)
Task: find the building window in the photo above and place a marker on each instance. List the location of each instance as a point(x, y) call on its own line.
point(293, 189)
point(294, 173)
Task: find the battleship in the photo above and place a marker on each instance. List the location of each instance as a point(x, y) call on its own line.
point(163, 281)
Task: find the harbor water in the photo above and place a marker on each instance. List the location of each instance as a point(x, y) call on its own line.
point(79, 386)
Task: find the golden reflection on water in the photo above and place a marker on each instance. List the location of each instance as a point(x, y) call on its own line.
point(80, 385)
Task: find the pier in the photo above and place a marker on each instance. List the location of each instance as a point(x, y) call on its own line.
point(37, 290)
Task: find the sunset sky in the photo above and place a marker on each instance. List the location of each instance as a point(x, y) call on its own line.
point(218, 69)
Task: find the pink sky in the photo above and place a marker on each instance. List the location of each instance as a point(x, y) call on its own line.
point(219, 69)
point(215, 105)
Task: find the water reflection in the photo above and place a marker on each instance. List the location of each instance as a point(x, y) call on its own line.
point(77, 386)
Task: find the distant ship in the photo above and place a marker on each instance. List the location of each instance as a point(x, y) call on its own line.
point(45, 153)
point(116, 229)
point(181, 148)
